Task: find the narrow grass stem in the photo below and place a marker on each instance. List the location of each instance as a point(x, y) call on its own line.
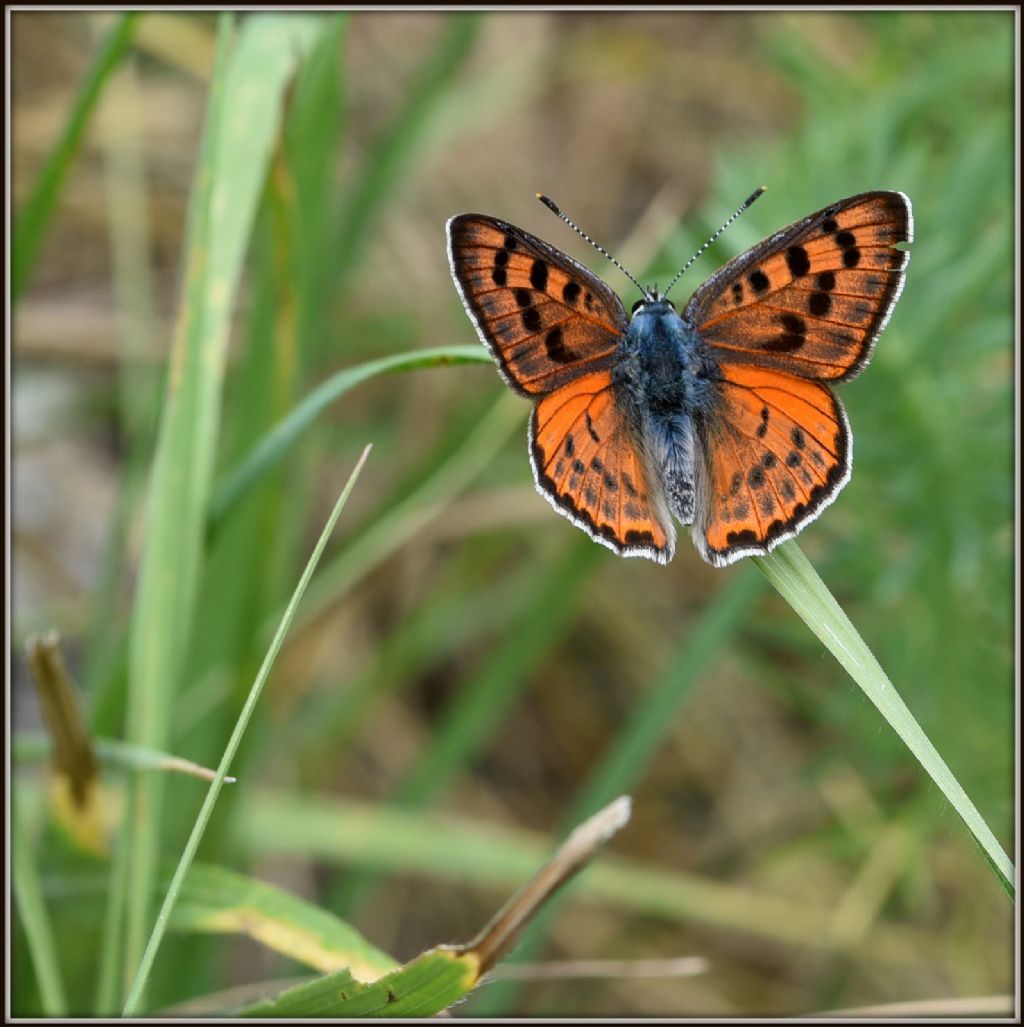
point(160, 927)
point(799, 584)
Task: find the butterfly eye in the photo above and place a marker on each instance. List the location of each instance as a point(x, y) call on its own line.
point(637, 306)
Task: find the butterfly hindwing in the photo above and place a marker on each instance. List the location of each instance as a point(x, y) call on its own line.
point(777, 452)
point(586, 462)
point(813, 298)
point(545, 318)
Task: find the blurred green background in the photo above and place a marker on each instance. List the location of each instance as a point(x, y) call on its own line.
point(465, 653)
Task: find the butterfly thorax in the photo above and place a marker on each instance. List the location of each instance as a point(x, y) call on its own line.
point(664, 378)
point(663, 360)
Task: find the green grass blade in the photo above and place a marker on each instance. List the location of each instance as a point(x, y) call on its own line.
point(314, 135)
point(249, 87)
point(430, 983)
point(170, 550)
point(216, 900)
point(275, 445)
point(36, 747)
point(135, 993)
point(28, 895)
point(799, 584)
point(31, 221)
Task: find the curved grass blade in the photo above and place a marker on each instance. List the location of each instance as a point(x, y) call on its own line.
point(216, 900)
point(35, 747)
point(155, 938)
point(31, 221)
point(799, 584)
point(280, 439)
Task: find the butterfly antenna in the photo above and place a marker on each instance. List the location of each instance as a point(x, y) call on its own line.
point(550, 204)
point(746, 203)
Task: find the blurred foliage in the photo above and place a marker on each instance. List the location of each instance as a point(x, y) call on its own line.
point(463, 650)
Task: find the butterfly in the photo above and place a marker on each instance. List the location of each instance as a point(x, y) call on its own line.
point(720, 416)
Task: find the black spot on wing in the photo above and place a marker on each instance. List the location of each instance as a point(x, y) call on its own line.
point(792, 337)
point(847, 241)
point(555, 346)
point(739, 537)
point(539, 275)
point(590, 426)
point(819, 304)
point(797, 261)
point(762, 428)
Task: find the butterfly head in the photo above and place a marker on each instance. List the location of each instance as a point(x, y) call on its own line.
point(654, 302)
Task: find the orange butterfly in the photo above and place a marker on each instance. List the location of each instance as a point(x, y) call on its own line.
point(718, 415)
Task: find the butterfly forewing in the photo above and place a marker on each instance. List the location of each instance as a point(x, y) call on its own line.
point(812, 299)
point(585, 460)
point(545, 318)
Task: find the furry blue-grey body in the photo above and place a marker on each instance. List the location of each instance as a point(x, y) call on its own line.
point(666, 384)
